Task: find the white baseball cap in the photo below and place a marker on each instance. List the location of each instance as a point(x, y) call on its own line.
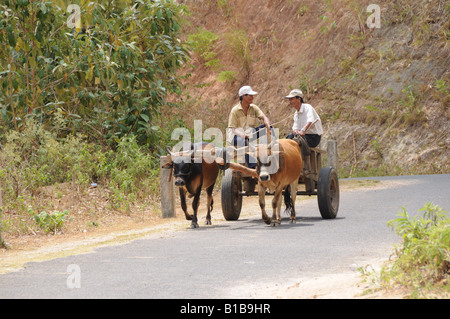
point(294, 93)
point(246, 90)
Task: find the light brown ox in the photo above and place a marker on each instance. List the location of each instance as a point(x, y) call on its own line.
point(276, 170)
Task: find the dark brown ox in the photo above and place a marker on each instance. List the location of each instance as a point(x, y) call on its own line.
point(193, 173)
point(276, 170)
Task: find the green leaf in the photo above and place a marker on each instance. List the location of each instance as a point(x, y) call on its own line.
point(11, 37)
point(145, 117)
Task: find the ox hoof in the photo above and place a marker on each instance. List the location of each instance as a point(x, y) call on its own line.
point(208, 222)
point(194, 225)
point(275, 223)
point(292, 221)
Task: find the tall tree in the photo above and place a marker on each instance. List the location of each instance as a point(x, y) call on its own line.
point(107, 74)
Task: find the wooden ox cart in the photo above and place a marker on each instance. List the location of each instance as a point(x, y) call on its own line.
point(317, 180)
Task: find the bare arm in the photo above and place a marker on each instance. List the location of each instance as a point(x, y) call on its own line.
point(303, 130)
point(239, 133)
point(266, 120)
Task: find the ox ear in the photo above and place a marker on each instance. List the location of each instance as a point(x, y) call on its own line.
point(167, 165)
point(167, 162)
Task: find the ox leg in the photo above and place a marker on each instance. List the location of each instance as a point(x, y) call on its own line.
point(262, 204)
point(209, 204)
point(195, 202)
point(276, 206)
point(293, 189)
point(183, 202)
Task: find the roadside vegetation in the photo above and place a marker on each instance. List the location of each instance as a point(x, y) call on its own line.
point(421, 264)
point(82, 102)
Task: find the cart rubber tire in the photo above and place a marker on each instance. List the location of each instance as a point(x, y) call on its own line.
point(328, 192)
point(231, 199)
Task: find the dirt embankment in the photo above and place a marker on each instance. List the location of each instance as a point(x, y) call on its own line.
point(381, 92)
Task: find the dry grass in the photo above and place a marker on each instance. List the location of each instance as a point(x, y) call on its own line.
point(88, 209)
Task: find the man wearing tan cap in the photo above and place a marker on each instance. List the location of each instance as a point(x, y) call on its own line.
point(243, 120)
point(306, 120)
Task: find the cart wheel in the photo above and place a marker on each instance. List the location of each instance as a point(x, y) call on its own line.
point(328, 193)
point(231, 199)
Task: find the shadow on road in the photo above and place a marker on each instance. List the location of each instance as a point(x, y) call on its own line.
point(256, 222)
point(253, 223)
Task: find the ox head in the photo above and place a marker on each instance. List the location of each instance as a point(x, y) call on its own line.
point(267, 160)
point(266, 157)
point(181, 163)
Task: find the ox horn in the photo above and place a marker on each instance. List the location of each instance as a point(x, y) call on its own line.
point(168, 151)
point(182, 153)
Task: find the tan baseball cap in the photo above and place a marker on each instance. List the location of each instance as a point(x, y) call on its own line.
point(295, 93)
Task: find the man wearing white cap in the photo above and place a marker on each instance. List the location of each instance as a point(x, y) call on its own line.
point(244, 119)
point(306, 120)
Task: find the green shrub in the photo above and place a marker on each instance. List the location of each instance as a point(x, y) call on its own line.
point(203, 43)
point(132, 173)
point(51, 222)
point(238, 43)
point(424, 258)
point(226, 76)
point(129, 166)
point(35, 157)
point(412, 105)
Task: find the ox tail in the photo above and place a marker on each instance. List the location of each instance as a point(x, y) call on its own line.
point(288, 200)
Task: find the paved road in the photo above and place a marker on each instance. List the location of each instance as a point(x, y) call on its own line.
point(213, 262)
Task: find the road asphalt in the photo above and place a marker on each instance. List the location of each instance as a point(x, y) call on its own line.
point(218, 261)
